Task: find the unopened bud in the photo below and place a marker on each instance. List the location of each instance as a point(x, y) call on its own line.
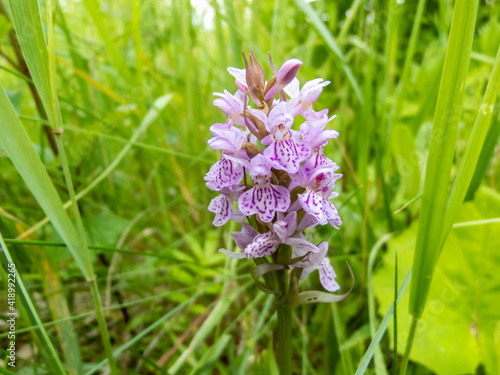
point(285, 75)
point(256, 77)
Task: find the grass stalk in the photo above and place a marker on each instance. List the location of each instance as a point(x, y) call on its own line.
point(442, 147)
point(53, 358)
point(406, 356)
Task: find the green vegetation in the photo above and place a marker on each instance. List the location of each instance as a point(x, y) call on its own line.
point(105, 108)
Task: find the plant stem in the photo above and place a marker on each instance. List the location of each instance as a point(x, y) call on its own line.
point(409, 343)
point(103, 328)
point(284, 330)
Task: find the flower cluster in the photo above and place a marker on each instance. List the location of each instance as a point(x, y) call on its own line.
point(275, 173)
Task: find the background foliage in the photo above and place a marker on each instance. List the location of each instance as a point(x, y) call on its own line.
point(133, 83)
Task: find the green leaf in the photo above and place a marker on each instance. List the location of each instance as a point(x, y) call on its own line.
point(442, 147)
point(463, 298)
point(48, 349)
point(263, 269)
point(30, 33)
point(16, 142)
point(315, 296)
point(474, 147)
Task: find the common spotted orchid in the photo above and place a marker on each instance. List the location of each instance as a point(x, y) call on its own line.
point(273, 175)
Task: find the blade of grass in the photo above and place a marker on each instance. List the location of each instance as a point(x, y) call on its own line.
point(440, 159)
point(473, 150)
point(40, 59)
point(367, 357)
point(211, 354)
point(380, 367)
point(52, 358)
point(487, 153)
point(15, 141)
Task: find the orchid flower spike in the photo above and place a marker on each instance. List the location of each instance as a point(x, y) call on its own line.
point(273, 176)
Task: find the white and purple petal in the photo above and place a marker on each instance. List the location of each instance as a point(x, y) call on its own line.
point(287, 154)
point(327, 276)
point(263, 245)
point(312, 203)
point(223, 209)
point(264, 201)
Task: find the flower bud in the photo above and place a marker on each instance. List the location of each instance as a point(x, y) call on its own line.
point(256, 77)
point(285, 75)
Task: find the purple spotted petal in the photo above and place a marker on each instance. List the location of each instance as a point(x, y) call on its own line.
point(331, 214)
point(312, 203)
point(222, 208)
point(287, 154)
point(327, 276)
point(263, 245)
point(316, 160)
point(224, 173)
point(264, 201)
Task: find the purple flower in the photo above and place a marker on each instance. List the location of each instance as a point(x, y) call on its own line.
point(285, 75)
point(264, 244)
point(228, 171)
point(222, 206)
point(264, 199)
point(232, 106)
point(242, 239)
point(223, 209)
point(319, 261)
point(288, 179)
point(282, 232)
point(313, 131)
point(285, 150)
point(315, 200)
point(303, 100)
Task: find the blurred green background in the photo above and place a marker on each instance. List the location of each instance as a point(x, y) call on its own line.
point(152, 242)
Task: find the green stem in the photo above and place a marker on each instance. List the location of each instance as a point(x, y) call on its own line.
point(409, 343)
point(284, 330)
point(103, 328)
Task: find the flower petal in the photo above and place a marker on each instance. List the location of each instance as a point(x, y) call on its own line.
point(327, 276)
point(244, 237)
point(301, 246)
point(264, 201)
point(331, 214)
point(287, 154)
point(312, 203)
point(222, 208)
point(233, 255)
point(226, 172)
point(263, 245)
